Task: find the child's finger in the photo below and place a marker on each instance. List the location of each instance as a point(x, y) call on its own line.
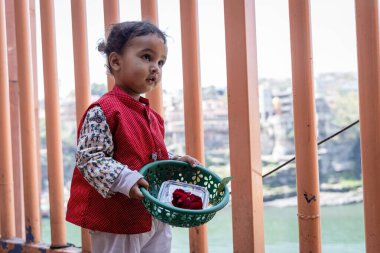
point(135, 193)
point(139, 195)
point(142, 182)
point(191, 160)
point(194, 162)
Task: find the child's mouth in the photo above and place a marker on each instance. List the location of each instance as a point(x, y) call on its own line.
point(151, 80)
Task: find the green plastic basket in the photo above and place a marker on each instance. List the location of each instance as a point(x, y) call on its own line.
point(158, 172)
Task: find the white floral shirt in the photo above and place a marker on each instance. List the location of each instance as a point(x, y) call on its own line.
point(94, 157)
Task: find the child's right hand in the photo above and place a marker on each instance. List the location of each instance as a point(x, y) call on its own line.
point(135, 192)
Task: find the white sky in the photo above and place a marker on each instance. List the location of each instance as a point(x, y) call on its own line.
point(333, 32)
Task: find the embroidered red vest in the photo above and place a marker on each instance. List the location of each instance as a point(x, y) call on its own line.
point(138, 136)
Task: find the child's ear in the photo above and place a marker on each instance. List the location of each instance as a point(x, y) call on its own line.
point(114, 61)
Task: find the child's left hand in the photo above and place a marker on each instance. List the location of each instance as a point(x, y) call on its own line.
point(190, 160)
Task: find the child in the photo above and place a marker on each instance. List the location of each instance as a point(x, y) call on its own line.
point(117, 136)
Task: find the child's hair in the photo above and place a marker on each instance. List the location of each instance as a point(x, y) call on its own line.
point(122, 33)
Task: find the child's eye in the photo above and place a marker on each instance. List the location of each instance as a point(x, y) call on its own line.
point(161, 63)
point(146, 57)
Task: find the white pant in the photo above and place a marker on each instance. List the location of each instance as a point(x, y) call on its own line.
point(157, 240)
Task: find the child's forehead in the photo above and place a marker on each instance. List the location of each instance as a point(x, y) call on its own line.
point(149, 41)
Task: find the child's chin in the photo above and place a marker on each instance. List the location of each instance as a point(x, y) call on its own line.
point(150, 88)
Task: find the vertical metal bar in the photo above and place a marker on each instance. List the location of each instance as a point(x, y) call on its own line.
point(28, 136)
point(244, 126)
point(368, 50)
point(149, 12)
point(15, 120)
point(194, 133)
point(33, 29)
point(53, 125)
point(81, 66)
point(82, 80)
point(8, 227)
point(305, 127)
point(111, 16)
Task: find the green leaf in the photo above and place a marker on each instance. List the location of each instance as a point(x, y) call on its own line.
point(222, 184)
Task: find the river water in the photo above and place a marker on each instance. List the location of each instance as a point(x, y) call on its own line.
point(342, 231)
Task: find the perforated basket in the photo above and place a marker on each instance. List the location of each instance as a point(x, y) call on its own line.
point(158, 172)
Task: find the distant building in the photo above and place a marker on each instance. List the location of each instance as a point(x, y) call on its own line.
point(282, 123)
point(265, 101)
point(215, 124)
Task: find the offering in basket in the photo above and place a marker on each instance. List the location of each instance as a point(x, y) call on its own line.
point(183, 195)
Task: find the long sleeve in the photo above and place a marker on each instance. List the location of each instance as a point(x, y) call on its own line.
point(173, 156)
point(94, 157)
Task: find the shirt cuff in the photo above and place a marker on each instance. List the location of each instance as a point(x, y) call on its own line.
point(173, 156)
point(124, 182)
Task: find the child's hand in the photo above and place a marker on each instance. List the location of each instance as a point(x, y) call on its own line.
point(135, 192)
point(191, 160)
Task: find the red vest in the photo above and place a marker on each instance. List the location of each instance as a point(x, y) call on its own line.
point(137, 133)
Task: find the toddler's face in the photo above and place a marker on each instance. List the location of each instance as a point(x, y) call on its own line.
point(141, 64)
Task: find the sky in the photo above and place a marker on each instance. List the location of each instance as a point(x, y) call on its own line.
point(333, 39)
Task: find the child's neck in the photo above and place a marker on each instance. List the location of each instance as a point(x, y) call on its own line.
point(128, 92)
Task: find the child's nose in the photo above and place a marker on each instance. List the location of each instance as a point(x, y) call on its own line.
point(154, 68)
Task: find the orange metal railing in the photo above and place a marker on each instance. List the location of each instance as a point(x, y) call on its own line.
point(192, 102)
point(305, 127)
point(27, 120)
point(53, 125)
point(15, 120)
point(244, 126)
point(82, 75)
point(8, 228)
point(111, 16)
point(368, 44)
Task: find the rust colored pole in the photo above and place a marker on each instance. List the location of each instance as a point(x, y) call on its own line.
point(244, 126)
point(81, 66)
point(28, 136)
point(368, 49)
point(305, 127)
point(15, 120)
point(82, 80)
point(8, 227)
point(111, 16)
point(149, 12)
point(192, 102)
point(53, 125)
point(33, 29)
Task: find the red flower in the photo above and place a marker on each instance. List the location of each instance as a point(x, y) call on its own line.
point(186, 200)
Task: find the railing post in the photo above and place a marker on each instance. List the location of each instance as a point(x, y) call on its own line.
point(8, 228)
point(111, 16)
point(368, 50)
point(33, 31)
point(82, 80)
point(28, 130)
point(15, 122)
point(244, 126)
point(149, 12)
point(194, 134)
point(305, 127)
point(53, 125)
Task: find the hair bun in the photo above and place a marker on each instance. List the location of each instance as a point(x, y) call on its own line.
point(102, 47)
